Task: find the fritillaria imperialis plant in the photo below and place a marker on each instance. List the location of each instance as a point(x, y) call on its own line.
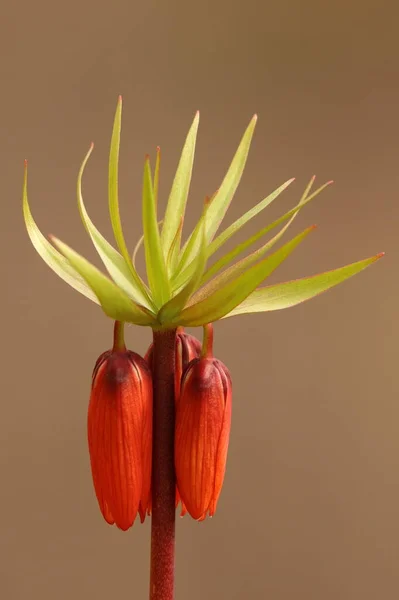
point(158, 427)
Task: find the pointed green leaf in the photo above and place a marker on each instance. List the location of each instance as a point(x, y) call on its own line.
point(174, 248)
point(236, 269)
point(113, 198)
point(113, 261)
point(56, 261)
point(250, 214)
point(224, 195)
point(182, 277)
point(154, 258)
point(230, 256)
point(156, 177)
point(224, 300)
point(178, 196)
point(178, 302)
point(115, 303)
point(291, 293)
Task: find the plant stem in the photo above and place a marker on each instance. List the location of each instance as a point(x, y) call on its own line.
point(163, 468)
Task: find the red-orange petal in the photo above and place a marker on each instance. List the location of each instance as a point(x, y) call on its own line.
point(201, 426)
point(120, 402)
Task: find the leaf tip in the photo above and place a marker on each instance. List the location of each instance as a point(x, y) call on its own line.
point(379, 255)
point(91, 146)
point(120, 99)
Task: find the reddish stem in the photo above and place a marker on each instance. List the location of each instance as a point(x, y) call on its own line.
point(163, 468)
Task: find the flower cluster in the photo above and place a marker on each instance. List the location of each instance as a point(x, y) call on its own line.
point(120, 429)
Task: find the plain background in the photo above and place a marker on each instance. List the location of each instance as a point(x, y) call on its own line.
point(310, 502)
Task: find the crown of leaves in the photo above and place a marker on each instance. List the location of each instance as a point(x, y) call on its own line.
point(181, 288)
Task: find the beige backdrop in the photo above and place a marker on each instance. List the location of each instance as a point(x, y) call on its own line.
point(309, 508)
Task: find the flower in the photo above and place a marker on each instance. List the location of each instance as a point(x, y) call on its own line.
point(120, 433)
point(181, 288)
point(203, 420)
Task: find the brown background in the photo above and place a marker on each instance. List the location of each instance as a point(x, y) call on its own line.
point(310, 503)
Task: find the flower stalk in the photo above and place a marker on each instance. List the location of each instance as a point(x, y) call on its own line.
point(163, 470)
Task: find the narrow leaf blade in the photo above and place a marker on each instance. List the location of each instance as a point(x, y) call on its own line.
point(181, 184)
point(54, 259)
point(113, 193)
point(225, 193)
point(178, 302)
point(250, 214)
point(113, 261)
point(224, 300)
point(114, 302)
point(291, 293)
point(155, 261)
point(240, 248)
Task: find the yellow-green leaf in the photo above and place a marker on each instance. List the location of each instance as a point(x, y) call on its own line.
point(224, 300)
point(113, 261)
point(113, 194)
point(56, 261)
point(154, 258)
point(114, 302)
point(291, 293)
point(240, 248)
point(177, 303)
point(250, 214)
point(223, 197)
point(178, 196)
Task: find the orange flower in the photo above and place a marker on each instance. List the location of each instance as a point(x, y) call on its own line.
point(120, 434)
point(203, 420)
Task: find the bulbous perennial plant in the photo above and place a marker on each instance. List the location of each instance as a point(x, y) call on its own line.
point(173, 411)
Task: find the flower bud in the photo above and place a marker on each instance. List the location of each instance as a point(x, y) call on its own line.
point(120, 433)
point(202, 429)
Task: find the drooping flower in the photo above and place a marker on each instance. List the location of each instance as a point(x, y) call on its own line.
point(120, 433)
point(203, 420)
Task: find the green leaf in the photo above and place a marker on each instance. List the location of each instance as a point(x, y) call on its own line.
point(114, 302)
point(291, 293)
point(250, 214)
point(183, 276)
point(236, 269)
point(224, 300)
point(154, 258)
point(224, 195)
point(174, 248)
point(178, 302)
point(56, 261)
point(240, 248)
point(113, 261)
point(113, 199)
point(138, 246)
point(156, 176)
point(178, 196)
